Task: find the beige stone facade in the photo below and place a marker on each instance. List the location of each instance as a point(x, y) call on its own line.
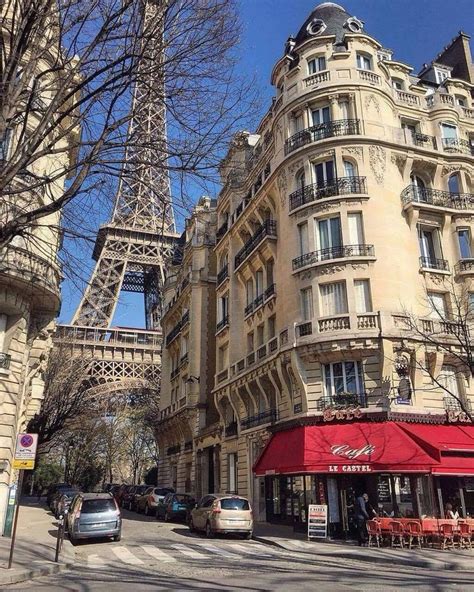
point(30, 279)
point(348, 212)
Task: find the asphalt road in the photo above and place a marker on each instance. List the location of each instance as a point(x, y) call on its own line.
point(155, 556)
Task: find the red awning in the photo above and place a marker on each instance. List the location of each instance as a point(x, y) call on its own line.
point(451, 446)
point(344, 448)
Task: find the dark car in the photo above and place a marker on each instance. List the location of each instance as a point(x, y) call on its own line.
point(94, 515)
point(137, 493)
point(127, 496)
point(62, 500)
point(54, 489)
point(175, 506)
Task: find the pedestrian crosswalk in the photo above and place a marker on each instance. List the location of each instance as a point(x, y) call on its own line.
point(169, 552)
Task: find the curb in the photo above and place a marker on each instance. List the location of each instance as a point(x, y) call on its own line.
point(420, 563)
point(21, 575)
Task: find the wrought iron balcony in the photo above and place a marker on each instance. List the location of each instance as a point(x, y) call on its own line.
point(270, 291)
point(464, 265)
point(330, 253)
point(304, 329)
point(268, 228)
point(457, 145)
point(342, 401)
point(5, 360)
point(222, 323)
point(223, 274)
point(341, 186)
point(436, 197)
point(269, 416)
point(184, 359)
point(424, 141)
point(341, 127)
point(434, 263)
point(260, 300)
point(175, 331)
point(452, 404)
point(222, 230)
point(231, 429)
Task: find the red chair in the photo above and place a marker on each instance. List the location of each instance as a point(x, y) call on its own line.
point(396, 534)
point(374, 531)
point(446, 530)
point(465, 535)
point(414, 532)
point(430, 528)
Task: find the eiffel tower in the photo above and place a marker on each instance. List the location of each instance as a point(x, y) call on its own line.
point(132, 250)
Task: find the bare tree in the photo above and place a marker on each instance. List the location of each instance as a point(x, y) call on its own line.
point(447, 331)
point(67, 73)
point(65, 395)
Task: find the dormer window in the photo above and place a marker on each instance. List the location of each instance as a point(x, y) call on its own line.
point(316, 27)
point(461, 101)
point(398, 83)
point(441, 75)
point(364, 61)
point(316, 64)
point(354, 25)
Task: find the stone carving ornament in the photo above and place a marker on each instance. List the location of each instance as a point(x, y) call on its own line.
point(282, 183)
point(355, 151)
point(400, 161)
point(378, 163)
point(371, 102)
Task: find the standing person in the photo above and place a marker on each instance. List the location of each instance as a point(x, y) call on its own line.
point(362, 516)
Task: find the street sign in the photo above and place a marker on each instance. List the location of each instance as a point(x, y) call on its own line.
point(25, 451)
point(317, 521)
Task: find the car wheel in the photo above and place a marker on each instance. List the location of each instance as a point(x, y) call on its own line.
point(191, 525)
point(248, 536)
point(73, 541)
point(117, 537)
point(209, 533)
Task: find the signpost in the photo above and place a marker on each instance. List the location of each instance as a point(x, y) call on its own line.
point(317, 521)
point(24, 460)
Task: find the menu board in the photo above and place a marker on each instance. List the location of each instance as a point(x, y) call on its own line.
point(383, 490)
point(317, 521)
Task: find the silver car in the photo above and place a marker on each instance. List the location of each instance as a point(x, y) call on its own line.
point(94, 515)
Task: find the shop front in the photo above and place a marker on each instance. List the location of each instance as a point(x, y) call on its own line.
point(333, 464)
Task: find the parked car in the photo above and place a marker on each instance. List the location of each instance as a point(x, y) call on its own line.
point(94, 515)
point(148, 502)
point(119, 492)
point(62, 500)
point(54, 489)
point(137, 493)
point(222, 513)
point(175, 506)
point(127, 496)
point(108, 486)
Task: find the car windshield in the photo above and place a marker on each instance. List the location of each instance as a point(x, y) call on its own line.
point(184, 499)
point(234, 503)
point(94, 506)
point(70, 493)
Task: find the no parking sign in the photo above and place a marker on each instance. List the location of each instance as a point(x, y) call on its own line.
point(25, 451)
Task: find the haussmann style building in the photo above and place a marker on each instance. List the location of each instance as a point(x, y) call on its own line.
point(344, 238)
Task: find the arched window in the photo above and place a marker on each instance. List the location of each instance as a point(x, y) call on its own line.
point(419, 187)
point(300, 179)
point(350, 169)
point(454, 184)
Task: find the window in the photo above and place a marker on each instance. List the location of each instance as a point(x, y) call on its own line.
point(398, 83)
point(324, 173)
point(344, 109)
point(343, 377)
point(461, 101)
point(303, 238)
point(260, 335)
point(300, 180)
point(316, 64)
point(329, 237)
point(97, 506)
point(441, 75)
point(259, 283)
point(449, 134)
point(437, 305)
point(411, 129)
point(333, 299)
point(232, 473)
point(448, 378)
point(356, 231)
point(349, 169)
point(249, 291)
point(364, 62)
point(307, 304)
point(430, 247)
point(231, 503)
point(250, 345)
point(363, 301)
point(454, 183)
point(269, 268)
point(298, 123)
point(271, 327)
point(464, 241)
point(223, 307)
point(223, 357)
point(320, 116)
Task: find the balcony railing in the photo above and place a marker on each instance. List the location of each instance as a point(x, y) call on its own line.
point(304, 329)
point(269, 416)
point(341, 186)
point(330, 129)
point(436, 197)
point(260, 300)
point(223, 274)
point(423, 141)
point(231, 429)
point(5, 360)
point(342, 401)
point(175, 331)
point(457, 145)
point(222, 323)
point(452, 404)
point(330, 253)
point(270, 291)
point(174, 373)
point(434, 263)
point(174, 450)
point(222, 230)
point(184, 359)
point(185, 319)
point(223, 375)
point(464, 265)
point(268, 228)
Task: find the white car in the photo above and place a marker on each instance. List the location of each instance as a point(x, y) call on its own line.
point(148, 502)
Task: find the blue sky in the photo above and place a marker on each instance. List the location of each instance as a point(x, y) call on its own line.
point(416, 30)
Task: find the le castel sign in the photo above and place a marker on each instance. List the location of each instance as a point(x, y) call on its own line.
point(351, 453)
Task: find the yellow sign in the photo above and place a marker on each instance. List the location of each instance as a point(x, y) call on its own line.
point(27, 465)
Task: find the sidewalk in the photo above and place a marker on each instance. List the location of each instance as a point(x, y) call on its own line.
point(35, 545)
point(285, 538)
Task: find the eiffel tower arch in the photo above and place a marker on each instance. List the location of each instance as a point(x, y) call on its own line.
point(132, 250)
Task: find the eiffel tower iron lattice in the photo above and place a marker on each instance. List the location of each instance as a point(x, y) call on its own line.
point(131, 251)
